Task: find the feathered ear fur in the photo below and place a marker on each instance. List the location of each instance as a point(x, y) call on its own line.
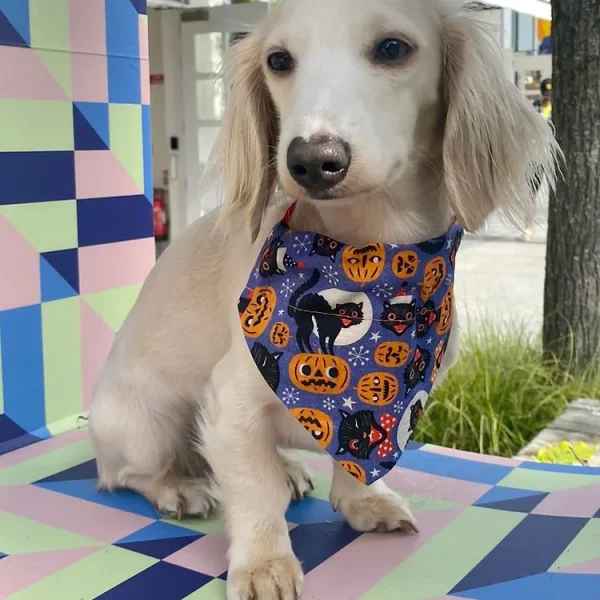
point(246, 146)
point(495, 142)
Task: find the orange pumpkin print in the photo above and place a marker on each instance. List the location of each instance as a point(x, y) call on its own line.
point(256, 316)
point(446, 312)
point(435, 273)
point(363, 265)
point(392, 354)
point(439, 353)
point(280, 335)
point(377, 389)
point(317, 423)
point(319, 373)
point(405, 264)
point(355, 470)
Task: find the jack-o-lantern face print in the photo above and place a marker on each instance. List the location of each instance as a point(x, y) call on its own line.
point(446, 312)
point(405, 264)
point(280, 335)
point(435, 273)
point(439, 353)
point(363, 265)
point(258, 312)
point(392, 354)
point(319, 373)
point(317, 423)
point(377, 389)
point(354, 469)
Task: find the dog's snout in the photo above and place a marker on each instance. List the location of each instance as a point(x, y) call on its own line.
point(318, 164)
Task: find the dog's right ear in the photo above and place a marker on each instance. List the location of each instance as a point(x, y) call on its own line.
point(246, 147)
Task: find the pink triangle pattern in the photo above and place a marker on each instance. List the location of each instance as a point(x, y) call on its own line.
point(20, 571)
point(99, 174)
point(96, 342)
point(22, 270)
point(38, 84)
point(589, 567)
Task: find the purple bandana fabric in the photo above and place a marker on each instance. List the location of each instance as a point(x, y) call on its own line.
point(351, 339)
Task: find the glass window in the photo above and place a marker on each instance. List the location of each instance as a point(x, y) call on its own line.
point(207, 136)
point(209, 98)
point(208, 49)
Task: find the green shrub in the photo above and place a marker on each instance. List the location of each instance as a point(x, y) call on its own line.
point(500, 394)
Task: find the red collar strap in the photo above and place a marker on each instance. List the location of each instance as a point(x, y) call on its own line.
point(287, 218)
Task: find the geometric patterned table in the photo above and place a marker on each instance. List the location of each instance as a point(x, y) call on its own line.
point(490, 529)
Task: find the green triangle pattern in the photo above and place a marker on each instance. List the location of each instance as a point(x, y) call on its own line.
point(113, 306)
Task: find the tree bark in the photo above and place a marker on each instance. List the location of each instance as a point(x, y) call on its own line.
point(572, 290)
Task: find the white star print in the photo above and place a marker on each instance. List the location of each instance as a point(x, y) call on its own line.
point(394, 246)
point(375, 337)
point(281, 313)
point(396, 455)
point(413, 335)
point(449, 244)
point(349, 403)
point(300, 275)
point(375, 472)
point(430, 341)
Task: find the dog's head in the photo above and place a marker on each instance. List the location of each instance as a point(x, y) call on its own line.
point(340, 98)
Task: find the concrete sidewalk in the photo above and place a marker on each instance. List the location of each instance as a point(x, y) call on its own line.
point(500, 277)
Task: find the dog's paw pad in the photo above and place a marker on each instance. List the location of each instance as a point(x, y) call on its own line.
point(299, 478)
point(381, 513)
point(189, 498)
point(278, 579)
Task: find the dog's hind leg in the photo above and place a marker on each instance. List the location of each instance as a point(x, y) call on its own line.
point(148, 450)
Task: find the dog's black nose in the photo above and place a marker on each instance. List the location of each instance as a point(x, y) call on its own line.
point(319, 163)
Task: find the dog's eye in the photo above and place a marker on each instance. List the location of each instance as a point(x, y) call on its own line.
point(392, 50)
point(280, 61)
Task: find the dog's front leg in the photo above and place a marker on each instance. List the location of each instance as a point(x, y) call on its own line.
point(242, 446)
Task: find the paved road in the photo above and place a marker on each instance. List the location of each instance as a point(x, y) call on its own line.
point(500, 277)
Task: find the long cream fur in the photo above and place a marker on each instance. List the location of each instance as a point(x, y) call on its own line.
point(180, 413)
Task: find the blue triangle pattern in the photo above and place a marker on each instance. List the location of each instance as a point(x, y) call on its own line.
point(159, 548)
point(54, 287)
point(96, 114)
point(522, 505)
point(86, 489)
point(500, 494)
point(9, 36)
point(159, 530)
point(14, 23)
point(86, 470)
point(66, 264)
point(86, 138)
point(140, 6)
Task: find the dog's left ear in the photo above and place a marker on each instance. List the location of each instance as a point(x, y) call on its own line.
point(248, 137)
point(495, 143)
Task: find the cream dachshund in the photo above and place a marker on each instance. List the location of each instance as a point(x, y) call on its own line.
point(382, 120)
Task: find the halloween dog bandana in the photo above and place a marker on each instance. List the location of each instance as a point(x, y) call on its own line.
point(351, 339)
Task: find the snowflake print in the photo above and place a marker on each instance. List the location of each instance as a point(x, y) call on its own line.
point(331, 275)
point(358, 356)
point(383, 291)
point(398, 407)
point(301, 245)
point(329, 404)
point(290, 396)
point(287, 288)
point(256, 272)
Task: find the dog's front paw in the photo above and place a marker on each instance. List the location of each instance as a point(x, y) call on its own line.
point(378, 512)
point(277, 579)
point(299, 478)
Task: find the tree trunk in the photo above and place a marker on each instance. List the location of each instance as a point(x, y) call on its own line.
point(572, 292)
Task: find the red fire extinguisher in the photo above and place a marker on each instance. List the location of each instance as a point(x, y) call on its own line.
point(161, 219)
